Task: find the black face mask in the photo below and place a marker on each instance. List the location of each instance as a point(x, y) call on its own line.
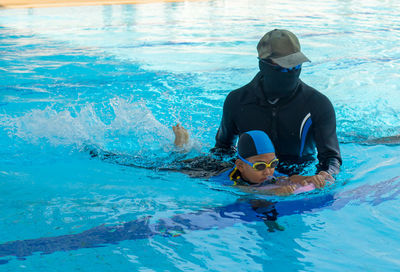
point(277, 84)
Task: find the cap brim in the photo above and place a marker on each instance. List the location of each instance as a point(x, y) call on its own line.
point(291, 60)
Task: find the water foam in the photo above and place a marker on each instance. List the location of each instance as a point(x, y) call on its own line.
point(130, 125)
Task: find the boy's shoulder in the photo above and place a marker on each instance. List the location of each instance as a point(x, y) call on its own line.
point(204, 166)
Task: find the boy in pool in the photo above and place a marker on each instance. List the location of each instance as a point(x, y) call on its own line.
point(254, 169)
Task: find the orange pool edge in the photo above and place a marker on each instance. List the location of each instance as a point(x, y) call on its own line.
point(8, 4)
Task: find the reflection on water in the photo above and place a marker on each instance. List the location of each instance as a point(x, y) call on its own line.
point(191, 40)
point(119, 77)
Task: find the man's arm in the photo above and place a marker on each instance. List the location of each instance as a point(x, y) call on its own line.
point(227, 131)
point(324, 123)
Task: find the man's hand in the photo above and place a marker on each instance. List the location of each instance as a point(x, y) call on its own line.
point(181, 135)
point(319, 180)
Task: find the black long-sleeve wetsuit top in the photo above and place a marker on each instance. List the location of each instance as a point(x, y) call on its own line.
point(296, 125)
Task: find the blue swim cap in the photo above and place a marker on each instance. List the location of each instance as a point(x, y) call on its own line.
point(254, 142)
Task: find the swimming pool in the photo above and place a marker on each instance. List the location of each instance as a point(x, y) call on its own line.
point(118, 77)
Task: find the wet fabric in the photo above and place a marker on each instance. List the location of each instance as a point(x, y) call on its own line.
point(297, 125)
point(276, 84)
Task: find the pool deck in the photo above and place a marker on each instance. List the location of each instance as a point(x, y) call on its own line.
point(61, 3)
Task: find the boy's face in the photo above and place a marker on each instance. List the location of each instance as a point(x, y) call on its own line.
point(252, 175)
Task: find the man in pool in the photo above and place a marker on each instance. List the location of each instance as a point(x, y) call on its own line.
point(297, 117)
point(254, 169)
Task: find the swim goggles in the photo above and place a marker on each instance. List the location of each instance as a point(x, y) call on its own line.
point(260, 166)
point(280, 68)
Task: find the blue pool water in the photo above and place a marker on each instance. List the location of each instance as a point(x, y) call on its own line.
point(117, 78)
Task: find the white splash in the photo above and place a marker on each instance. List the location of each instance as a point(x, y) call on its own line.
point(129, 124)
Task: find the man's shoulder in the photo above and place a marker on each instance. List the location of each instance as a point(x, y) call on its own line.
point(313, 95)
point(317, 103)
point(245, 92)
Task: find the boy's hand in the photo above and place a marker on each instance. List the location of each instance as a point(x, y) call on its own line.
point(181, 135)
point(320, 179)
point(300, 180)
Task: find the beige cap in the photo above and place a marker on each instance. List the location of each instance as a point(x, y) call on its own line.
point(281, 46)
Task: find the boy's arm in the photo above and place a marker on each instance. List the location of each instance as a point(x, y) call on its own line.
point(318, 180)
point(297, 179)
point(280, 190)
point(204, 166)
point(286, 185)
